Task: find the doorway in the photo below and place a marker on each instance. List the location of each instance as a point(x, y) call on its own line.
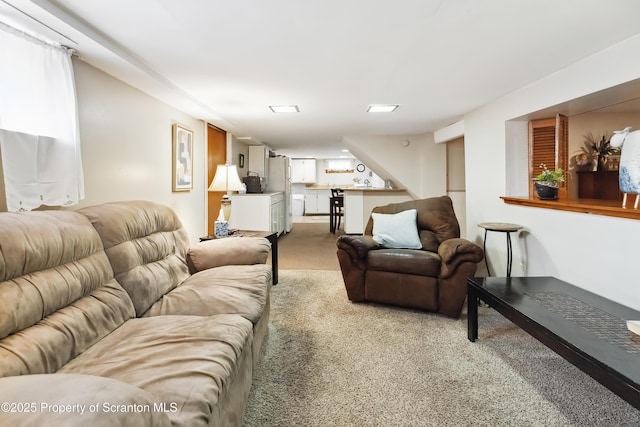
point(216, 155)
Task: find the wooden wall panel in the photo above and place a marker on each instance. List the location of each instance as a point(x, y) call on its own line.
point(216, 155)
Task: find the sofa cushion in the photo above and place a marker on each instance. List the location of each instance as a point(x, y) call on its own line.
point(147, 247)
point(78, 400)
point(407, 261)
point(186, 362)
point(231, 251)
point(398, 230)
point(57, 291)
point(241, 289)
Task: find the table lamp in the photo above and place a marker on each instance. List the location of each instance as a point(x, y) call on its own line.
point(227, 180)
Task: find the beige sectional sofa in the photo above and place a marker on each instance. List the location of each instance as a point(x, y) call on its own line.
point(110, 317)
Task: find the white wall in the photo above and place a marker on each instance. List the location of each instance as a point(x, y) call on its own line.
point(419, 167)
point(456, 181)
point(238, 147)
point(127, 147)
point(591, 251)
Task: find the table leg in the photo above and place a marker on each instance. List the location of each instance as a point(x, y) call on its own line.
point(273, 239)
point(509, 254)
point(472, 313)
point(484, 248)
point(332, 218)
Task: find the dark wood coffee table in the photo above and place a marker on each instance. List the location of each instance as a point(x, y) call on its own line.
point(587, 330)
point(272, 236)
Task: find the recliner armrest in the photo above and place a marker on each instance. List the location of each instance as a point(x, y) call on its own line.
point(357, 246)
point(352, 255)
point(455, 252)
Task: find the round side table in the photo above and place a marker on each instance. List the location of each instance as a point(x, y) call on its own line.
point(501, 227)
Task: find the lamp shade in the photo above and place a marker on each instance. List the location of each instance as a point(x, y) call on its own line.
point(226, 179)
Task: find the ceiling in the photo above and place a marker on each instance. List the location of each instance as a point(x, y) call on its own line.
point(227, 61)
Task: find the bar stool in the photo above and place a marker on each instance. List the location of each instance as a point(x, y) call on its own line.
point(336, 209)
point(501, 227)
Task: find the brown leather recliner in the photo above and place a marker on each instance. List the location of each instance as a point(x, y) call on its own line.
point(432, 278)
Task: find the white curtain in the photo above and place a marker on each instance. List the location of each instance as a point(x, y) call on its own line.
point(39, 135)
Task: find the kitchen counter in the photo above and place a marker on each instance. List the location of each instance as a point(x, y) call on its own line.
point(349, 188)
point(266, 193)
point(325, 187)
point(373, 189)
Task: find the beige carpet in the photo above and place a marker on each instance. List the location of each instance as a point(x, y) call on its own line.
point(329, 362)
point(309, 246)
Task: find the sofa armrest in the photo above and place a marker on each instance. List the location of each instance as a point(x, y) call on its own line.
point(357, 246)
point(78, 400)
point(454, 252)
point(229, 251)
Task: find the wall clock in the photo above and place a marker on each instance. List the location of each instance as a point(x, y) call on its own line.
point(360, 167)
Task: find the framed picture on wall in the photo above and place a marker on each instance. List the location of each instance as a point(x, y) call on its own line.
point(182, 158)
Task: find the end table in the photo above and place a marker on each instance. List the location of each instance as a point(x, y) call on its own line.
point(502, 227)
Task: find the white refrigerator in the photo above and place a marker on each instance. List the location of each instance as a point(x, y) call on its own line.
point(279, 179)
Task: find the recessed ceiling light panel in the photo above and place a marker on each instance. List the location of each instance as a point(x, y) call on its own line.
point(381, 108)
point(284, 108)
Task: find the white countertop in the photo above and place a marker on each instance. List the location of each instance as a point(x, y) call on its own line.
point(373, 189)
point(350, 188)
point(267, 193)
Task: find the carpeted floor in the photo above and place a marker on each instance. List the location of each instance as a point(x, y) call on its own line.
point(309, 246)
point(329, 362)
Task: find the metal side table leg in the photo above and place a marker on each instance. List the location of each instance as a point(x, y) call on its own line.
point(509, 254)
point(484, 249)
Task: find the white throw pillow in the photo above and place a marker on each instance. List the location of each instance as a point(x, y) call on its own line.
point(397, 230)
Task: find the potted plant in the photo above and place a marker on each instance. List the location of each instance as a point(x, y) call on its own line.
point(547, 182)
point(599, 149)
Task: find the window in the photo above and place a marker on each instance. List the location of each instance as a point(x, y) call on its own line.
point(339, 165)
point(39, 137)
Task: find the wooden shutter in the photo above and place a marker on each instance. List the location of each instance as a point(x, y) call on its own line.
point(548, 144)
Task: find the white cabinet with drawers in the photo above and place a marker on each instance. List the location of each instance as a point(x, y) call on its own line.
point(258, 211)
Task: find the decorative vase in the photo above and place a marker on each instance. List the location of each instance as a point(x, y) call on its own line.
point(221, 229)
point(546, 191)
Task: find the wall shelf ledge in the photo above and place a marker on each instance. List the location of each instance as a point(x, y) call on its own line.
point(588, 206)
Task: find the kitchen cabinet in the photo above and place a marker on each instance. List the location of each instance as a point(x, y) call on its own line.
point(316, 201)
point(277, 216)
point(259, 212)
point(303, 171)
